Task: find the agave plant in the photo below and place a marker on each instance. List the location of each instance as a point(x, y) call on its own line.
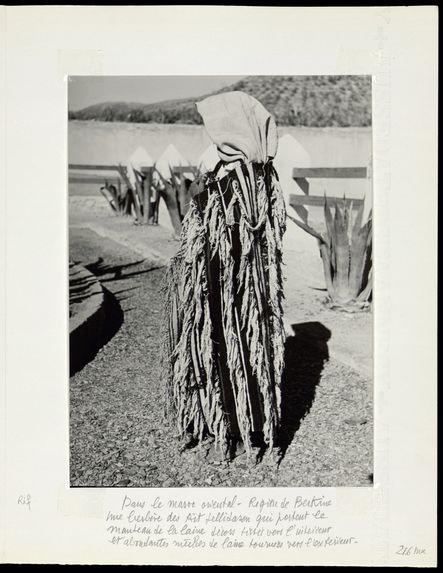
point(135, 192)
point(176, 192)
point(346, 252)
point(141, 199)
point(118, 200)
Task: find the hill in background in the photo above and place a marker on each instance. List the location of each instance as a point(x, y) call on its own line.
point(310, 101)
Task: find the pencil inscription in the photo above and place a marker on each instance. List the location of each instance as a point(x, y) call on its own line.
point(408, 550)
point(24, 500)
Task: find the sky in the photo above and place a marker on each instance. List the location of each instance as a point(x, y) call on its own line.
point(88, 90)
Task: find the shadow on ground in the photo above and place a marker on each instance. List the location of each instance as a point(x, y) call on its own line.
point(99, 268)
point(79, 352)
point(305, 355)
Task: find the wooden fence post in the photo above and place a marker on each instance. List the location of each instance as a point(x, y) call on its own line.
point(147, 192)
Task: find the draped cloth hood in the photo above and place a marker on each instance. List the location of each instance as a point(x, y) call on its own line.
point(240, 127)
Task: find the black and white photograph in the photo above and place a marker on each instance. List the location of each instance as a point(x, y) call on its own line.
point(220, 281)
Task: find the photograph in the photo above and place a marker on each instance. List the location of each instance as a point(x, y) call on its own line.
point(219, 343)
point(220, 281)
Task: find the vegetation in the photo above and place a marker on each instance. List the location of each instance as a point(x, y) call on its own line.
point(119, 201)
point(176, 193)
point(311, 101)
point(346, 252)
point(134, 199)
point(141, 198)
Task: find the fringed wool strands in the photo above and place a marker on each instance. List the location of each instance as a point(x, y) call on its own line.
point(224, 337)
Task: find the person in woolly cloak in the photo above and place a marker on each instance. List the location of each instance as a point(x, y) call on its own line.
point(225, 334)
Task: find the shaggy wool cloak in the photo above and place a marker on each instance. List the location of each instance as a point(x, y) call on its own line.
point(224, 292)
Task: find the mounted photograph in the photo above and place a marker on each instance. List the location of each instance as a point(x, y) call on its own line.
point(220, 281)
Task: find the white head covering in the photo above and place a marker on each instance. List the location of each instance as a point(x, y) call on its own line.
point(240, 127)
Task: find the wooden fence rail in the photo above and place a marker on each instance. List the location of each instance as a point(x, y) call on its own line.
point(150, 196)
point(94, 179)
point(330, 172)
point(301, 176)
point(114, 178)
point(319, 200)
point(76, 166)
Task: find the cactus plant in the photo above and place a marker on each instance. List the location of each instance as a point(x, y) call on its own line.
point(346, 252)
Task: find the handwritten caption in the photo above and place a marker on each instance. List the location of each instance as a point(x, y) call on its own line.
point(225, 523)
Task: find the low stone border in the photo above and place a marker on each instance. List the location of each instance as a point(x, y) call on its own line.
point(86, 324)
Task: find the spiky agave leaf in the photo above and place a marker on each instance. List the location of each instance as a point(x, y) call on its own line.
point(135, 198)
point(358, 247)
point(340, 254)
point(110, 200)
point(330, 232)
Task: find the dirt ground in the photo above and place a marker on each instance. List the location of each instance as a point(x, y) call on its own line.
point(118, 436)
